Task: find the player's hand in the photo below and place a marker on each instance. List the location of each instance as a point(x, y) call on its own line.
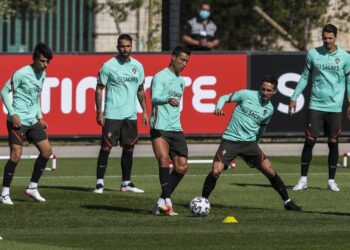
point(218, 112)
point(292, 107)
point(16, 121)
point(145, 119)
point(100, 118)
point(174, 102)
point(43, 123)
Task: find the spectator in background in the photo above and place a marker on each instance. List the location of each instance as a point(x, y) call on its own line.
point(200, 33)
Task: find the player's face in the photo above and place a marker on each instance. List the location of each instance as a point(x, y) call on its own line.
point(328, 39)
point(267, 91)
point(41, 63)
point(179, 62)
point(124, 47)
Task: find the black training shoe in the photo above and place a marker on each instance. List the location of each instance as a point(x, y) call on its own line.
point(290, 205)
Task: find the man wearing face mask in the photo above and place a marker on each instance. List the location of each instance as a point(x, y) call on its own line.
point(201, 33)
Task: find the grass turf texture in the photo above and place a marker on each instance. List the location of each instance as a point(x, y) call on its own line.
point(74, 217)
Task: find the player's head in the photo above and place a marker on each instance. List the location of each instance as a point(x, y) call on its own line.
point(204, 10)
point(124, 46)
point(179, 58)
point(329, 35)
point(42, 55)
point(268, 87)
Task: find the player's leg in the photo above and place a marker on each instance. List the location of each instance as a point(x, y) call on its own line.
point(161, 152)
point(15, 141)
point(179, 153)
point(38, 136)
point(108, 140)
point(265, 167)
point(226, 152)
point(313, 125)
point(333, 131)
point(128, 139)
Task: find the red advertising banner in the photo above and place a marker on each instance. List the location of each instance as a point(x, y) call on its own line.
point(68, 104)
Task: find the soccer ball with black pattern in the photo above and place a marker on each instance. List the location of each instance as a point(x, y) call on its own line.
point(199, 207)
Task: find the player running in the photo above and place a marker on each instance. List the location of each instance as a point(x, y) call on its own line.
point(241, 137)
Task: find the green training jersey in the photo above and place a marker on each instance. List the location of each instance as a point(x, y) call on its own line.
point(328, 74)
point(26, 86)
point(249, 118)
point(122, 81)
point(166, 85)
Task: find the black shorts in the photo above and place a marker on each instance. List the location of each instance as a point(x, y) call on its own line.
point(34, 133)
point(250, 152)
point(122, 131)
point(175, 139)
point(330, 122)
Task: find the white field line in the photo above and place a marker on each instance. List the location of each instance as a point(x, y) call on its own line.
point(157, 176)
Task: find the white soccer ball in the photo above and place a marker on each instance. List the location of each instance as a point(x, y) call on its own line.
point(199, 206)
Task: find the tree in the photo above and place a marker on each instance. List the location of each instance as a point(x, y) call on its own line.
point(243, 29)
point(18, 7)
point(119, 10)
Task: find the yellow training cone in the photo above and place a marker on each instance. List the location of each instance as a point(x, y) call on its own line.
point(230, 219)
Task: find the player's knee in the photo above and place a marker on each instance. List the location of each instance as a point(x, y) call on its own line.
point(163, 161)
point(217, 170)
point(182, 169)
point(310, 142)
point(16, 154)
point(107, 149)
point(46, 153)
point(129, 148)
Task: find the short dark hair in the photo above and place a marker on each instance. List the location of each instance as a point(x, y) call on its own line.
point(181, 49)
point(271, 79)
point(125, 37)
point(330, 28)
point(43, 49)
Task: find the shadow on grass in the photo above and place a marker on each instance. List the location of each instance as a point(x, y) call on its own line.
point(81, 189)
point(118, 209)
point(328, 213)
point(268, 186)
point(221, 206)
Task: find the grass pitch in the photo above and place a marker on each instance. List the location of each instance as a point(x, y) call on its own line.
point(75, 218)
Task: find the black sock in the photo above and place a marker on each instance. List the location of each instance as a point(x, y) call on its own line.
point(9, 171)
point(126, 164)
point(39, 168)
point(175, 178)
point(102, 162)
point(332, 159)
point(164, 178)
point(209, 185)
point(306, 156)
point(279, 186)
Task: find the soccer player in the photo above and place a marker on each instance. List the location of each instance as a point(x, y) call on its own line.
point(168, 140)
point(123, 77)
point(328, 69)
point(25, 120)
point(247, 124)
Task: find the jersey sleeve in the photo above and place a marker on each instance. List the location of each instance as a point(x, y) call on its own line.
point(232, 97)
point(304, 77)
point(347, 75)
point(158, 88)
point(10, 86)
point(103, 74)
point(187, 29)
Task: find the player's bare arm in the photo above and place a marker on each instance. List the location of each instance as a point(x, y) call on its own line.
point(98, 101)
point(292, 107)
point(141, 95)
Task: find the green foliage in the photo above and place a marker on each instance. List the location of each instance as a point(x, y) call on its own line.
point(243, 29)
point(18, 7)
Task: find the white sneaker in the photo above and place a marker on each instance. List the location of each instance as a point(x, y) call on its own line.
point(98, 189)
point(34, 194)
point(130, 188)
point(301, 185)
point(6, 200)
point(332, 185)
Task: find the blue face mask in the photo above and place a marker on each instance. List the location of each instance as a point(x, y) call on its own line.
point(204, 14)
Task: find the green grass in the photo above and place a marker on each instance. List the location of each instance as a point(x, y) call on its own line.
point(75, 218)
